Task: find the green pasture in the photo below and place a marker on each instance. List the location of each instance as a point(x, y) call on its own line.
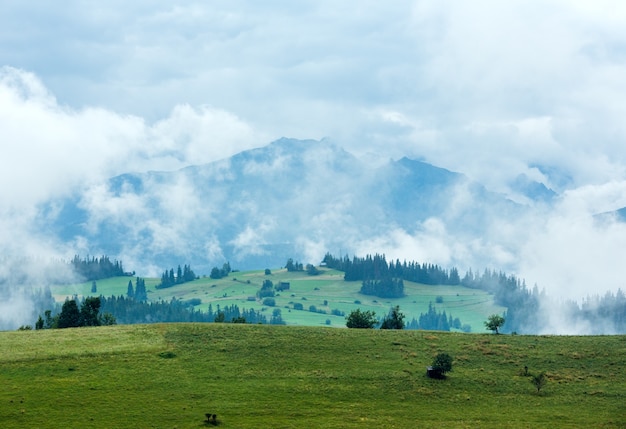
point(471, 306)
point(251, 376)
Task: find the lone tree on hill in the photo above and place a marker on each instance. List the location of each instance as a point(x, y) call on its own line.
point(539, 380)
point(494, 322)
point(361, 319)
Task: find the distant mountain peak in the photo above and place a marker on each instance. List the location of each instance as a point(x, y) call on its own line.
point(290, 198)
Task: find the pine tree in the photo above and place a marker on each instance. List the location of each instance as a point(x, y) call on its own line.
point(394, 320)
point(130, 292)
point(140, 290)
point(179, 275)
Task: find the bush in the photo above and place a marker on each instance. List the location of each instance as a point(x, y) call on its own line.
point(361, 319)
point(192, 302)
point(298, 306)
point(439, 299)
point(265, 293)
point(442, 363)
point(270, 302)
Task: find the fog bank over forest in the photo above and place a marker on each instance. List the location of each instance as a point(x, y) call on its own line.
point(519, 108)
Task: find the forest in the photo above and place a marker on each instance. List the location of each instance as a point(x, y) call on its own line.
point(97, 268)
point(526, 307)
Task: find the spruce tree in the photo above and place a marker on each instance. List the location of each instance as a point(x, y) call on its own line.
point(130, 292)
point(70, 316)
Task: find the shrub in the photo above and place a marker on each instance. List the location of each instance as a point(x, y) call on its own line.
point(270, 302)
point(439, 299)
point(361, 319)
point(265, 293)
point(193, 302)
point(298, 306)
point(442, 363)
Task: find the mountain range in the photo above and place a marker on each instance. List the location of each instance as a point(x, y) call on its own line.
point(290, 199)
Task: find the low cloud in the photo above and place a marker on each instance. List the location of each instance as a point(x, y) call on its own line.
point(489, 90)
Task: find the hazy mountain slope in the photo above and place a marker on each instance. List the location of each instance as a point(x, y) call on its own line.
point(288, 199)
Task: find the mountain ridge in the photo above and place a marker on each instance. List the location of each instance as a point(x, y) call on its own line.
point(290, 198)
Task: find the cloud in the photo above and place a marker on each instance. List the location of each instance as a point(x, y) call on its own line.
point(488, 89)
point(50, 149)
point(570, 251)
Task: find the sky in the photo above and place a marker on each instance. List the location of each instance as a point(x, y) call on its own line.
point(487, 88)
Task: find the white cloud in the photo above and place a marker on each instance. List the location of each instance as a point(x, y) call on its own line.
point(490, 89)
point(50, 149)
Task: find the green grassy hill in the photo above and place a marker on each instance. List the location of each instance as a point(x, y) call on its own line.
point(327, 291)
point(251, 376)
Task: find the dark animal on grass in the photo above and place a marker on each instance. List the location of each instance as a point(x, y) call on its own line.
point(211, 418)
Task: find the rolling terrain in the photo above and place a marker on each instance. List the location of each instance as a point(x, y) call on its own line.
point(250, 376)
point(326, 292)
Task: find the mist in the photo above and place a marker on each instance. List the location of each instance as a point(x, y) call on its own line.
point(494, 92)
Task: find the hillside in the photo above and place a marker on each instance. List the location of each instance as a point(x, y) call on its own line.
point(297, 377)
point(318, 295)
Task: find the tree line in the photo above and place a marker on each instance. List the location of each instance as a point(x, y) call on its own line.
point(101, 310)
point(376, 267)
point(97, 268)
point(71, 316)
point(434, 320)
point(183, 275)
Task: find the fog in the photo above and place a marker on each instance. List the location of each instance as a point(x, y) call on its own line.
point(487, 89)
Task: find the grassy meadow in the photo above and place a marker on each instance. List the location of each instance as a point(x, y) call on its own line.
point(251, 376)
point(327, 291)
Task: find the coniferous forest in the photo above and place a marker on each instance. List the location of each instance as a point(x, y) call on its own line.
point(526, 307)
point(97, 268)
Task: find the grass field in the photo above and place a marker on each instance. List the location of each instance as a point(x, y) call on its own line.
point(471, 306)
point(251, 376)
